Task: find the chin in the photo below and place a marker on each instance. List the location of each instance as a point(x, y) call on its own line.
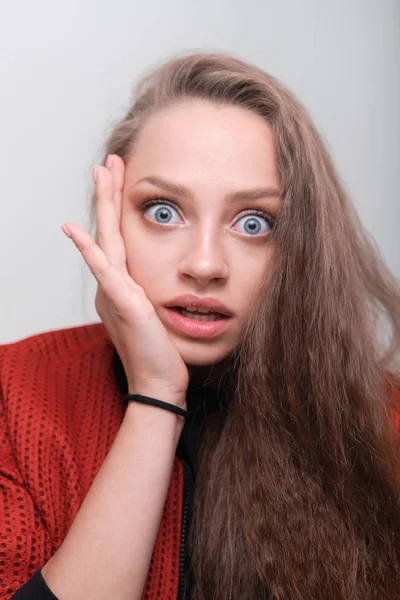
point(196, 361)
point(198, 355)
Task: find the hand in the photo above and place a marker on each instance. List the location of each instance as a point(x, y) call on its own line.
point(152, 363)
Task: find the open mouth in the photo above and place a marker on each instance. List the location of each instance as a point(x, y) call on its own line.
point(195, 324)
point(197, 316)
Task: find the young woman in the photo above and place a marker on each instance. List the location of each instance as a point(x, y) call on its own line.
point(230, 429)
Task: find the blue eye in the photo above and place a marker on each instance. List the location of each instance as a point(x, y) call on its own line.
point(162, 212)
point(259, 223)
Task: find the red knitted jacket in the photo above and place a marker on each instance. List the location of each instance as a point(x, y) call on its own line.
point(60, 410)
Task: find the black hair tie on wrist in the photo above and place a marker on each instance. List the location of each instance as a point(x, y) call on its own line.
point(154, 402)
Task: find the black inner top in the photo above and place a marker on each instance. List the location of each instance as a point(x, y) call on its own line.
point(201, 400)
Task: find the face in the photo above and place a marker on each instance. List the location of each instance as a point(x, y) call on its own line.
point(196, 237)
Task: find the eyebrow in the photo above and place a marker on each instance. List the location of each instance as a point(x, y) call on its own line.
point(239, 196)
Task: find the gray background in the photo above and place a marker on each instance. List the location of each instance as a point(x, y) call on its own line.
point(67, 70)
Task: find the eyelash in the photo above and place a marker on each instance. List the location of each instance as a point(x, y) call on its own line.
point(160, 200)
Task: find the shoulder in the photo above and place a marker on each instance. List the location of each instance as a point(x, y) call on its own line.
point(54, 346)
point(60, 410)
point(60, 384)
point(61, 341)
point(36, 365)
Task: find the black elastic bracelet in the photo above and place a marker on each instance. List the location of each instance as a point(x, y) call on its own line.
point(159, 403)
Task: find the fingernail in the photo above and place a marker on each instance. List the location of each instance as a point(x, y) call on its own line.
point(109, 161)
point(66, 231)
point(94, 174)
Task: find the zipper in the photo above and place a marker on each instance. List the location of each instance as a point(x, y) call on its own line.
point(187, 490)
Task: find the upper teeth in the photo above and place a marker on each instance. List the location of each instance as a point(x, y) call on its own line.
point(194, 309)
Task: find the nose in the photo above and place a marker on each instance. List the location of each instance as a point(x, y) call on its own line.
point(204, 258)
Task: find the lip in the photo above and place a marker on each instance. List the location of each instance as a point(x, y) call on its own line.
point(212, 304)
point(193, 328)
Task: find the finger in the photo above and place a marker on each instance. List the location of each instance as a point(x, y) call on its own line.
point(115, 286)
point(108, 234)
point(116, 166)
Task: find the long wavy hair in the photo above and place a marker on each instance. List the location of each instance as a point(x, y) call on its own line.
point(297, 494)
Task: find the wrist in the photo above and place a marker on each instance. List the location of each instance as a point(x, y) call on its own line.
point(146, 417)
point(177, 399)
point(150, 394)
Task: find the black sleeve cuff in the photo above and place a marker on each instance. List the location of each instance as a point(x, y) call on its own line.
point(34, 589)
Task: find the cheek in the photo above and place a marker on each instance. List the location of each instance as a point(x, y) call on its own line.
point(146, 258)
point(140, 257)
point(143, 265)
point(250, 273)
point(249, 276)
point(149, 266)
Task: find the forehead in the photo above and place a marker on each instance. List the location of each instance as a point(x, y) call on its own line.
point(198, 138)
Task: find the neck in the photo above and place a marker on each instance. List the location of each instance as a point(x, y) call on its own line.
point(212, 375)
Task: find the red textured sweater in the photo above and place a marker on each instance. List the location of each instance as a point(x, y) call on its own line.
point(60, 410)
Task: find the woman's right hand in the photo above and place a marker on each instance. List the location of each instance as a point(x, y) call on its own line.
point(152, 363)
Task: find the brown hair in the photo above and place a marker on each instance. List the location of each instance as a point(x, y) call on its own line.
point(298, 492)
